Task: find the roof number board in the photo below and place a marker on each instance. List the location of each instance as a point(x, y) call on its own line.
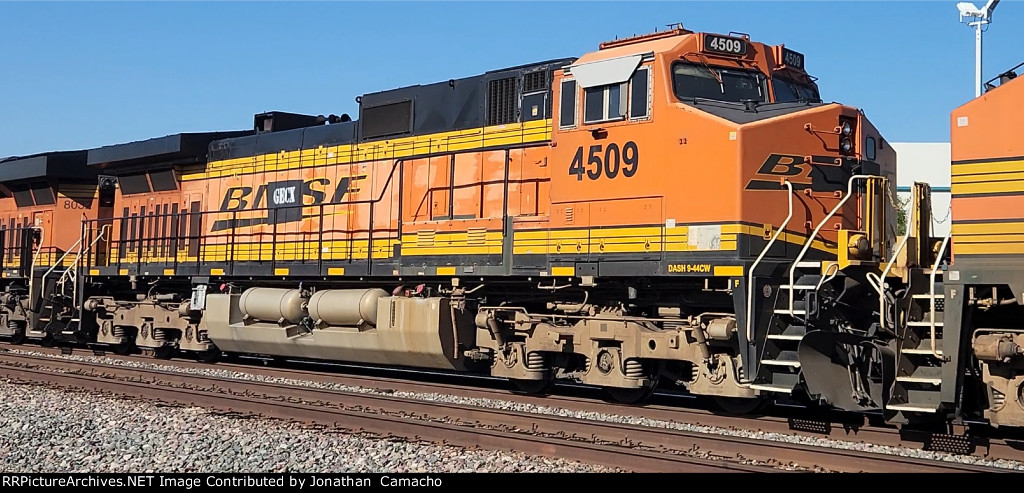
point(793, 59)
point(726, 45)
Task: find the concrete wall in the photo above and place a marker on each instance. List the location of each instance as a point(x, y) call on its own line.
point(930, 163)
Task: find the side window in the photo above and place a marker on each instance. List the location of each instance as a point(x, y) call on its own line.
point(610, 102)
point(603, 103)
point(639, 94)
point(567, 105)
point(869, 148)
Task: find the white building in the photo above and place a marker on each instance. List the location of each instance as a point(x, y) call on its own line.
point(930, 163)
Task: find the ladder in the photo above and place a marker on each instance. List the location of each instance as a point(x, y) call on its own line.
point(796, 308)
point(920, 357)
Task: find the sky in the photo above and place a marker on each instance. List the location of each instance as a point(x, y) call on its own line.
point(81, 75)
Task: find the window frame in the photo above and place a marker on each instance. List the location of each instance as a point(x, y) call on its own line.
point(647, 109)
point(575, 103)
point(606, 102)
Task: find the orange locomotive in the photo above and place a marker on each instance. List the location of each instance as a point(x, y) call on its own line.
point(973, 331)
point(612, 219)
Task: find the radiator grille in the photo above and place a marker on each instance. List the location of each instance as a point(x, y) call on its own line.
point(501, 101)
point(535, 81)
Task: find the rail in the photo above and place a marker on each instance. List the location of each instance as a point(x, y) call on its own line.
point(764, 252)
point(817, 229)
point(931, 300)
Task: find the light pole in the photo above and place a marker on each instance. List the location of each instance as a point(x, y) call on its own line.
point(978, 18)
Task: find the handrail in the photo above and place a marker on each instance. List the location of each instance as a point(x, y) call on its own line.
point(35, 258)
point(370, 229)
point(70, 272)
point(59, 261)
point(931, 315)
point(826, 277)
point(750, 273)
point(810, 239)
point(885, 273)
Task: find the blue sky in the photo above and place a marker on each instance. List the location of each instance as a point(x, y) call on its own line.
point(82, 75)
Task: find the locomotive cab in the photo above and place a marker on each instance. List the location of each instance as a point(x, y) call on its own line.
point(778, 203)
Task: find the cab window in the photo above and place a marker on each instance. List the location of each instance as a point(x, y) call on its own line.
point(617, 101)
point(691, 81)
point(787, 91)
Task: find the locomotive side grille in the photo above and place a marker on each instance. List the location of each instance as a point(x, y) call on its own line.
point(501, 101)
point(425, 238)
point(535, 81)
point(477, 236)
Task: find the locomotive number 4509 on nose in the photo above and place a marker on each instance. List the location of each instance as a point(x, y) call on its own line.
point(610, 161)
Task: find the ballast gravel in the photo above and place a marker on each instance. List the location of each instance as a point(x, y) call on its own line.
point(55, 430)
point(553, 410)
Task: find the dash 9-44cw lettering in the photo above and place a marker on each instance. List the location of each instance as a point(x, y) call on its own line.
point(610, 161)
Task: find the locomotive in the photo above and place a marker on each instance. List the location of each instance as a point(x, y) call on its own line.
point(675, 208)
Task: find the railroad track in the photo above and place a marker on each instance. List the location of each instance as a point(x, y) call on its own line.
point(630, 447)
point(847, 427)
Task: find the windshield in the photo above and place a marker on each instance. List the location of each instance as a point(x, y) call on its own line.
point(699, 81)
point(787, 90)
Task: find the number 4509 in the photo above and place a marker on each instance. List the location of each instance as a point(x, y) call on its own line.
point(609, 163)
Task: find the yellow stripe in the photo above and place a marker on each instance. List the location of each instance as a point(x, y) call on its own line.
point(446, 271)
point(335, 271)
point(993, 238)
point(987, 177)
point(168, 272)
point(729, 270)
point(988, 187)
point(989, 248)
point(123, 272)
point(281, 271)
point(563, 271)
point(217, 272)
point(993, 167)
point(475, 138)
point(94, 272)
point(638, 240)
point(960, 229)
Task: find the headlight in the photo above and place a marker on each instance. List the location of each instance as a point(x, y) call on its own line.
point(846, 128)
point(845, 144)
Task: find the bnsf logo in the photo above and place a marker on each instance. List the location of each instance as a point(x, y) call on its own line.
point(818, 173)
point(283, 199)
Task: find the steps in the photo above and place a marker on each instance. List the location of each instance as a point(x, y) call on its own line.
point(918, 384)
point(779, 368)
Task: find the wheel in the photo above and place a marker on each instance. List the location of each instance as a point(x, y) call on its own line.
point(632, 395)
point(636, 395)
point(18, 338)
point(163, 352)
point(209, 356)
point(48, 340)
point(532, 387)
point(740, 405)
point(124, 348)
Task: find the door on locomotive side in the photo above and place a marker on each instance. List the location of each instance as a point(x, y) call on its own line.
point(605, 205)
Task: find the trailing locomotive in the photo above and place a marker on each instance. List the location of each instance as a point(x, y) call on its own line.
point(675, 207)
